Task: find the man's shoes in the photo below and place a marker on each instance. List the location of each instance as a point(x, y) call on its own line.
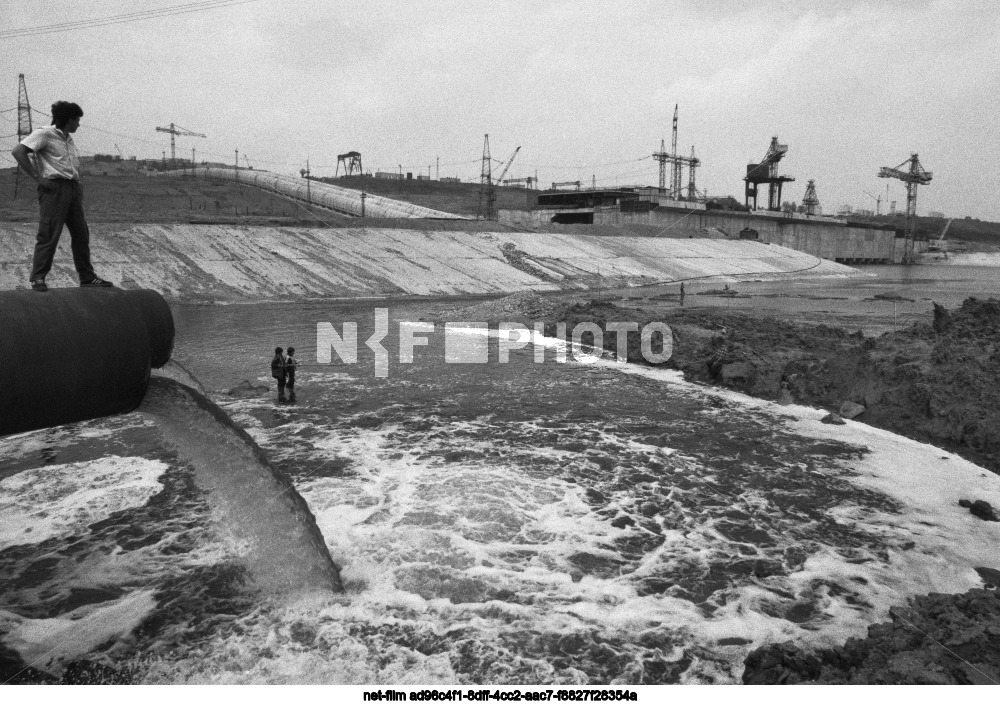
point(39, 285)
point(96, 282)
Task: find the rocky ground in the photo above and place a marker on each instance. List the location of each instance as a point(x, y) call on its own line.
point(936, 382)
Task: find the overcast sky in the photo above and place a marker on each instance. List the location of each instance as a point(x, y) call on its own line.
point(586, 88)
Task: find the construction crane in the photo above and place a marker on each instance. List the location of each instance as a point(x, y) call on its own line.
point(878, 202)
point(177, 131)
point(913, 175)
point(677, 163)
point(766, 172)
point(510, 161)
point(351, 161)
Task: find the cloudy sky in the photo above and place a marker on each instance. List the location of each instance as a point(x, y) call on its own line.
point(586, 88)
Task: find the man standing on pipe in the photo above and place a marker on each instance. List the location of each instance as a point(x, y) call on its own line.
point(56, 168)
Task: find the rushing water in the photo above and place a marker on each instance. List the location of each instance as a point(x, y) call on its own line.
point(525, 522)
point(565, 522)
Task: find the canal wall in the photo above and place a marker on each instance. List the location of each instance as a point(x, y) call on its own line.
point(242, 263)
point(830, 238)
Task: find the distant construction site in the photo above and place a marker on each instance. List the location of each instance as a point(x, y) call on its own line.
point(674, 208)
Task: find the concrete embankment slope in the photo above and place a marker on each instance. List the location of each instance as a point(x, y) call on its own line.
point(233, 263)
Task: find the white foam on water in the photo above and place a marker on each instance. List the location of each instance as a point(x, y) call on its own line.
point(34, 442)
point(47, 644)
point(449, 548)
point(948, 541)
point(60, 500)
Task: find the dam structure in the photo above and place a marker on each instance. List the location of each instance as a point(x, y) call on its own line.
point(232, 263)
point(830, 238)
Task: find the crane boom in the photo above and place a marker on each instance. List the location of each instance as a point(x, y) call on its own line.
point(507, 166)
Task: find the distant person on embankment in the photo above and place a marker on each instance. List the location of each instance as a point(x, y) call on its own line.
point(682, 293)
point(278, 371)
point(56, 168)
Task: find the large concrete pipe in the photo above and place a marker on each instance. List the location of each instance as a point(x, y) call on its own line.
point(75, 354)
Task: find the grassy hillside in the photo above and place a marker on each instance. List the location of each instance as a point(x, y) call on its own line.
point(133, 198)
point(460, 198)
point(965, 229)
point(121, 197)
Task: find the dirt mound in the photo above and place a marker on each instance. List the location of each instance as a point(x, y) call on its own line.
point(939, 639)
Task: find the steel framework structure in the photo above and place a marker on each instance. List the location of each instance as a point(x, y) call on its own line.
point(677, 162)
point(351, 162)
point(912, 175)
point(766, 172)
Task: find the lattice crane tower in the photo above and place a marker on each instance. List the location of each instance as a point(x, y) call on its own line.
point(913, 175)
point(677, 162)
point(177, 130)
point(23, 121)
point(811, 200)
point(487, 194)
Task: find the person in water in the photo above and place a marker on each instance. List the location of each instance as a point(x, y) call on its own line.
point(278, 370)
point(290, 365)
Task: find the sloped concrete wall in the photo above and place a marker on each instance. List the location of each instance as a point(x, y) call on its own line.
point(829, 238)
point(233, 263)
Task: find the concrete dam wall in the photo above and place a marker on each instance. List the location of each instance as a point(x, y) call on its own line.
point(239, 263)
point(829, 238)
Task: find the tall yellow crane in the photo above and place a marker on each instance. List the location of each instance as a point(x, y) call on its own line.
point(174, 131)
point(913, 175)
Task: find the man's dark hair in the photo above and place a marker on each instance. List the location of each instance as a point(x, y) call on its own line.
point(63, 112)
point(278, 351)
point(291, 351)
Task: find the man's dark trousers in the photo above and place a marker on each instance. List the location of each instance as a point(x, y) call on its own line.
point(64, 206)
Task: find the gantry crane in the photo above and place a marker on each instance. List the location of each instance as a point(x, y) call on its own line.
point(766, 172)
point(176, 130)
point(913, 175)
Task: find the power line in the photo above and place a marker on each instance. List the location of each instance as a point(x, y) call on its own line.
point(121, 19)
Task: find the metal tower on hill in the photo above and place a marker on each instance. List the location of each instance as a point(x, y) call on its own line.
point(913, 175)
point(487, 194)
point(677, 162)
point(23, 121)
point(175, 130)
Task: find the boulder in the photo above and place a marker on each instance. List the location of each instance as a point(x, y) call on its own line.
point(980, 508)
point(850, 409)
point(834, 419)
